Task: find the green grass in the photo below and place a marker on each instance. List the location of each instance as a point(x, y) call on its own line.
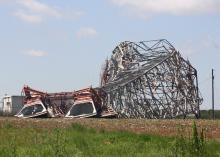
point(78, 141)
point(207, 114)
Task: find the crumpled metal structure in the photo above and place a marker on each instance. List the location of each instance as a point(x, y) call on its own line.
point(77, 104)
point(150, 79)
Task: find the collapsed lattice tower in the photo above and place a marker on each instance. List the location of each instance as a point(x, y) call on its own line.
point(150, 79)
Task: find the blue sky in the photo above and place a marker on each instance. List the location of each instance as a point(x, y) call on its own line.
point(55, 45)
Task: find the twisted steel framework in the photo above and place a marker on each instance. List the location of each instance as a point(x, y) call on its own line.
point(150, 79)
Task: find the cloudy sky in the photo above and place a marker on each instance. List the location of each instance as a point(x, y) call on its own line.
point(55, 45)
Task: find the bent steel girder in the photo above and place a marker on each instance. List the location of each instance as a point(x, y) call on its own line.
point(150, 80)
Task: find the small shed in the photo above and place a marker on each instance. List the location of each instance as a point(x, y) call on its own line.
point(11, 104)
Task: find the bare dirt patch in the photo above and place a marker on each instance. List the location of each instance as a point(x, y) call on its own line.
point(139, 126)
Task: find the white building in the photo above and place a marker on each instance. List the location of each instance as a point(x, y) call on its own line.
point(11, 104)
point(1, 105)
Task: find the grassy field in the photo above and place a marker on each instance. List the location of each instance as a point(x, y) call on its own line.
point(45, 138)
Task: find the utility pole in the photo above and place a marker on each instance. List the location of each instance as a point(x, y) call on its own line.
point(213, 96)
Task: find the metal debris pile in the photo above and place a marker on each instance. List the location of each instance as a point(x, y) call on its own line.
point(150, 79)
point(82, 103)
point(147, 79)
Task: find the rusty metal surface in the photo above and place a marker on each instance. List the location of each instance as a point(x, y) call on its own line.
point(150, 79)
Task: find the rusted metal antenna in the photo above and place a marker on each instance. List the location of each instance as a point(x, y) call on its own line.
point(150, 79)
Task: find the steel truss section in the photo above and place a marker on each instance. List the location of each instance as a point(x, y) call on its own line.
point(150, 79)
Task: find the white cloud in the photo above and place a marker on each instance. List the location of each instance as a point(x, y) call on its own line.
point(28, 18)
point(36, 7)
point(174, 7)
point(36, 53)
point(36, 11)
point(33, 11)
point(86, 32)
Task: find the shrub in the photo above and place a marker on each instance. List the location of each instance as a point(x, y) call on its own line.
point(192, 147)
